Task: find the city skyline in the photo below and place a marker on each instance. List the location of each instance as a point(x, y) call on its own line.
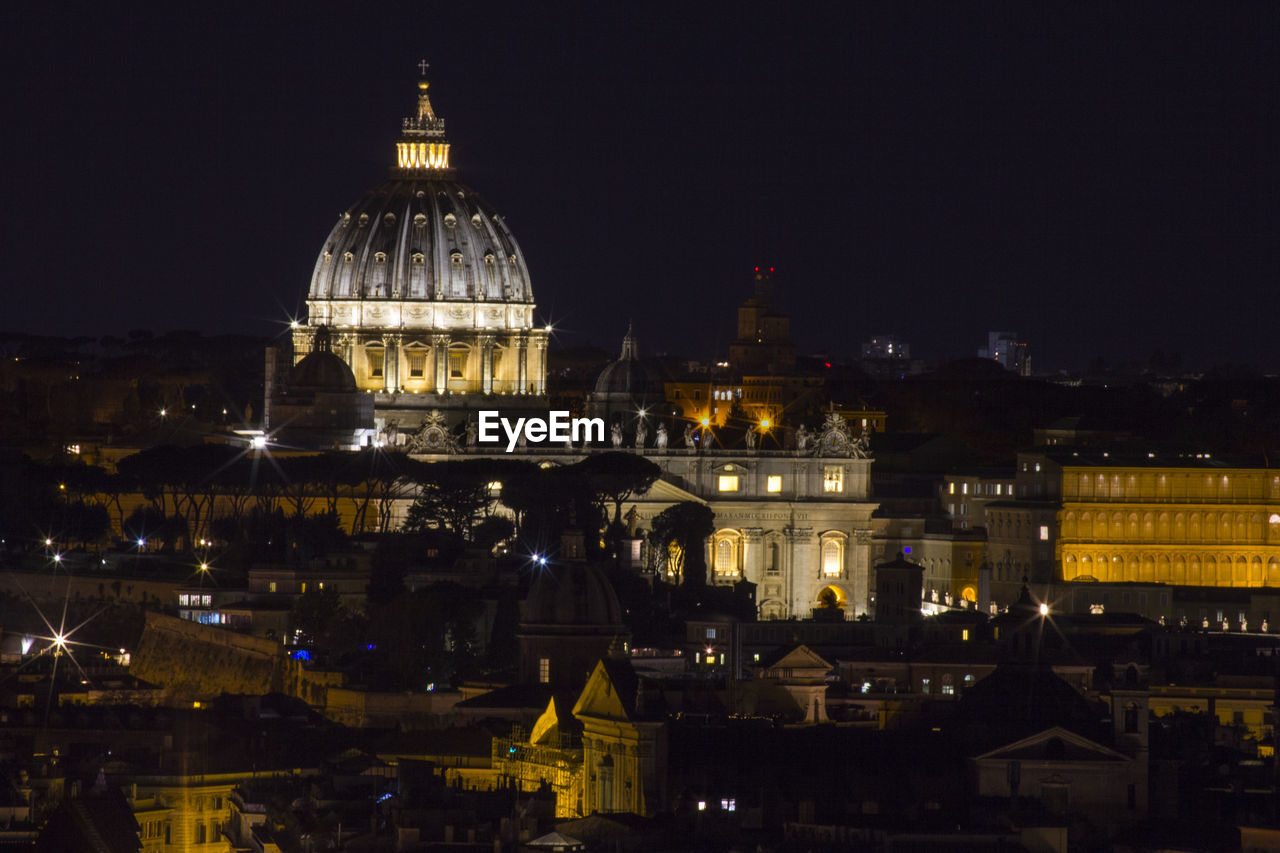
point(1097, 183)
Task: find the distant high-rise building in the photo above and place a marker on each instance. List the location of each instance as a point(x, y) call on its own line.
point(886, 346)
point(1005, 349)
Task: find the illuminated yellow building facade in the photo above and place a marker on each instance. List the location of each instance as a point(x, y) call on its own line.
point(1198, 524)
point(424, 289)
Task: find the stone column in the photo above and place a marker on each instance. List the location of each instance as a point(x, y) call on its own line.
point(522, 364)
point(859, 563)
point(486, 363)
point(391, 363)
point(540, 378)
point(440, 359)
point(801, 571)
point(753, 554)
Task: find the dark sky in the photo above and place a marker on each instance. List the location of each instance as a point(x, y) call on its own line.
point(1101, 178)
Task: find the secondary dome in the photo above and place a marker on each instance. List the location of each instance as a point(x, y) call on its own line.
point(629, 375)
point(321, 370)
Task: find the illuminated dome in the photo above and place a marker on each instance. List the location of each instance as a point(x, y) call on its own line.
point(424, 288)
point(421, 239)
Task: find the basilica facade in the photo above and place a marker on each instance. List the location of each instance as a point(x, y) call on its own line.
point(425, 292)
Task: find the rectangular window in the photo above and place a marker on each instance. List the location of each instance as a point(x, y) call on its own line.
point(964, 634)
point(773, 483)
point(951, 488)
point(711, 633)
point(375, 359)
point(1044, 532)
point(271, 586)
point(417, 365)
point(833, 478)
point(999, 487)
point(948, 690)
point(304, 586)
point(457, 362)
point(728, 483)
point(924, 685)
point(544, 670)
point(964, 488)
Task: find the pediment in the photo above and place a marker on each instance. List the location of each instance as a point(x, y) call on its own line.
point(664, 492)
point(599, 698)
point(799, 659)
point(1041, 747)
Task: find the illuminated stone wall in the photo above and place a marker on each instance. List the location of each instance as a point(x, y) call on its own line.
point(1205, 526)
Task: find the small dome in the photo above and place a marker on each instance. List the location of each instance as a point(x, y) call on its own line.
point(573, 594)
point(322, 371)
point(629, 375)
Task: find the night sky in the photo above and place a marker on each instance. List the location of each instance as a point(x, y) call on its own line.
point(1100, 178)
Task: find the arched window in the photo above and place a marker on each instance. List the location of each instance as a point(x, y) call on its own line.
point(833, 554)
point(727, 553)
point(773, 564)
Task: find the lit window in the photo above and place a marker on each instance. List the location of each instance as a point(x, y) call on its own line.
point(948, 690)
point(320, 584)
point(1044, 532)
point(417, 365)
point(964, 634)
point(728, 483)
point(964, 488)
point(833, 478)
point(924, 685)
point(729, 804)
point(457, 361)
point(1037, 466)
point(711, 658)
point(271, 586)
point(773, 483)
point(832, 558)
point(951, 488)
point(711, 633)
point(304, 586)
point(999, 488)
point(544, 670)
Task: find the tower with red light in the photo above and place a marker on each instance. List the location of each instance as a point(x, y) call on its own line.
point(764, 333)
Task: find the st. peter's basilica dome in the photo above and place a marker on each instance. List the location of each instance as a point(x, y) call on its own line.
point(425, 290)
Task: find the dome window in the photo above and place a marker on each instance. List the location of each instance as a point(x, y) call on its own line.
point(380, 257)
point(364, 219)
point(450, 220)
point(389, 219)
point(477, 220)
point(348, 257)
point(455, 258)
point(419, 258)
point(328, 256)
point(488, 259)
point(420, 220)
point(512, 259)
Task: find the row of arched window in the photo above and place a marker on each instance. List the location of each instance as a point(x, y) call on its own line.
point(1189, 569)
point(1208, 526)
